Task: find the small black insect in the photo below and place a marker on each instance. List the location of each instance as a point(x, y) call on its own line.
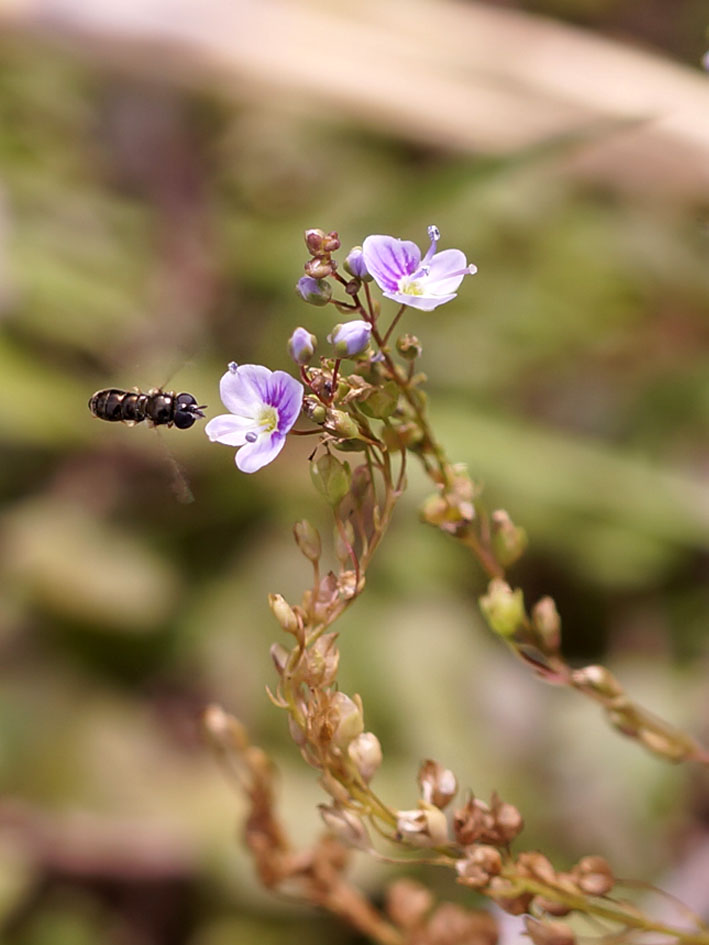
point(159, 407)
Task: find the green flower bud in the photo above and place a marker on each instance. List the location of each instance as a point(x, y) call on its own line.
point(409, 347)
point(508, 540)
point(342, 424)
point(503, 608)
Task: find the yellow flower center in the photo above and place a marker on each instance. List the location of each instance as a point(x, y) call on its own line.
point(268, 419)
point(411, 287)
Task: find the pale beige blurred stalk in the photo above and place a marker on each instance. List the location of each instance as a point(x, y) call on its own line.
point(455, 75)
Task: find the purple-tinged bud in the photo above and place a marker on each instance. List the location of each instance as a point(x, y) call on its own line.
point(354, 264)
point(351, 338)
point(366, 754)
point(346, 826)
point(438, 784)
point(314, 240)
point(302, 345)
point(547, 622)
point(425, 827)
point(307, 538)
point(503, 608)
point(320, 267)
point(314, 291)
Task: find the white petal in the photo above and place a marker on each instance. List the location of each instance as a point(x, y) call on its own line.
point(253, 456)
point(438, 281)
point(228, 429)
point(425, 303)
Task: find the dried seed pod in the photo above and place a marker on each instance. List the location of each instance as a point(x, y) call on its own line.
point(438, 784)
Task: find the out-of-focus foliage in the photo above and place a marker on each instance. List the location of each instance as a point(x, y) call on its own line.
point(149, 236)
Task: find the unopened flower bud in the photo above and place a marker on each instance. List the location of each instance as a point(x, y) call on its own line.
point(320, 267)
point(307, 538)
point(346, 826)
point(302, 345)
point(350, 338)
point(225, 731)
point(409, 347)
point(350, 720)
point(547, 623)
point(365, 752)
point(354, 264)
point(341, 423)
point(597, 680)
point(425, 827)
point(330, 477)
point(673, 746)
point(503, 608)
point(549, 933)
point(314, 240)
point(438, 784)
point(284, 613)
point(315, 291)
point(314, 409)
point(279, 655)
point(593, 876)
point(508, 540)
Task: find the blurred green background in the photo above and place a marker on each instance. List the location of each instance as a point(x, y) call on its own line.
point(151, 232)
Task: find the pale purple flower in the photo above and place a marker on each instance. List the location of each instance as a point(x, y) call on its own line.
point(263, 407)
point(402, 275)
point(314, 291)
point(351, 338)
point(301, 345)
point(354, 264)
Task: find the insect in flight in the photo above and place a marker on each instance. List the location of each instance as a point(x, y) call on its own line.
point(158, 407)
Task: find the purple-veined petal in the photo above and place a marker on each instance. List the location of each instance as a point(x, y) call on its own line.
point(254, 456)
point(229, 429)
point(286, 395)
point(388, 259)
point(425, 303)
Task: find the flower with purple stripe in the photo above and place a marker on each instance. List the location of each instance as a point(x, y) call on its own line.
point(263, 406)
point(402, 275)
